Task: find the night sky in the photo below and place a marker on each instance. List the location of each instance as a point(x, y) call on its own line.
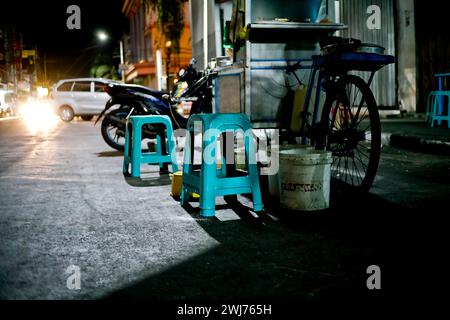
point(68, 52)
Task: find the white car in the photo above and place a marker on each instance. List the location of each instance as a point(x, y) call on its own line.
point(83, 97)
point(7, 103)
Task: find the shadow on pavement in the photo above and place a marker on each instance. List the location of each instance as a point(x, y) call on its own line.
point(148, 181)
point(109, 154)
point(310, 257)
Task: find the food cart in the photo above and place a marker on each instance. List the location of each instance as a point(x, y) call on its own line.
point(269, 36)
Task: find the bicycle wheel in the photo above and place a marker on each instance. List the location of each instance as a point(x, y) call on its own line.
point(352, 123)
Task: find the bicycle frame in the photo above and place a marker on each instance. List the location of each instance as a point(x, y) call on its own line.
point(325, 81)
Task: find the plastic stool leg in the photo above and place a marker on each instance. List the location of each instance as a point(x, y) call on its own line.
point(171, 148)
point(429, 108)
point(158, 148)
point(253, 174)
point(136, 151)
point(184, 196)
point(436, 116)
point(208, 180)
point(441, 100)
point(448, 111)
point(126, 153)
point(207, 213)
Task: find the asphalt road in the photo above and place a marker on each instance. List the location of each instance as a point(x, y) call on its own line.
point(64, 202)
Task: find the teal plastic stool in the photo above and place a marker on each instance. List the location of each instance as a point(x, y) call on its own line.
point(210, 182)
point(435, 109)
point(133, 138)
point(430, 103)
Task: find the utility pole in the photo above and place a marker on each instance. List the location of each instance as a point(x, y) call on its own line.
point(45, 67)
point(168, 56)
point(205, 34)
point(122, 62)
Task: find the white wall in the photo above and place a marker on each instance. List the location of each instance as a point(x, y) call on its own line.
point(214, 28)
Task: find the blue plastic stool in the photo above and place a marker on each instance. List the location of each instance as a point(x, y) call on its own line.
point(133, 138)
point(441, 78)
point(209, 182)
point(435, 109)
point(430, 105)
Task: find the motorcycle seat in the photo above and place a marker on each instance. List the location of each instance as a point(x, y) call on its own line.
point(157, 94)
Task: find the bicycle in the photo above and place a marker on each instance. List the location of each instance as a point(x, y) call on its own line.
point(349, 127)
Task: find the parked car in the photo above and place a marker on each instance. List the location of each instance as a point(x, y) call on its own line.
point(83, 97)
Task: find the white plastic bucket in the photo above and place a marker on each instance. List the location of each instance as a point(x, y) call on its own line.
point(305, 179)
point(274, 180)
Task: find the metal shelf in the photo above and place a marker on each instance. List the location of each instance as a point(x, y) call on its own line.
point(282, 32)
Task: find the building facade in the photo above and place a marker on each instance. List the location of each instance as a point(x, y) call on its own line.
point(151, 59)
point(18, 62)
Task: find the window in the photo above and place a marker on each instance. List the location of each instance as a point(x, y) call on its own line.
point(66, 86)
point(82, 87)
point(99, 86)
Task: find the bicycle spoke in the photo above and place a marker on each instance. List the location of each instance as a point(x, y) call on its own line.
point(360, 160)
point(365, 112)
point(346, 169)
point(359, 144)
point(362, 155)
point(350, 171)
point(359, 168)
point(357, 100)
point(369, 126)
point(351, 106)
point(358, 173)
point(353, 172)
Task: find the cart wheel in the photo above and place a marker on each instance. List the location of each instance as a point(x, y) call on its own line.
point(350, 118)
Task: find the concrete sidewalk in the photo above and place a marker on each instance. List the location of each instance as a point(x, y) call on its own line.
point(415, 134)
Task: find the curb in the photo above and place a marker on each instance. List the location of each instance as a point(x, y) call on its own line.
point(415, 143)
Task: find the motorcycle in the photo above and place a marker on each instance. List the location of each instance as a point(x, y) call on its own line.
point(138, 100)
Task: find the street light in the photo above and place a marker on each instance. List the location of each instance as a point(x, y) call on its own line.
point(103, 37)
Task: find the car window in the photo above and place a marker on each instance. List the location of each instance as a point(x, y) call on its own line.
point(66, 86)
point(82, 86)
point(99, 86)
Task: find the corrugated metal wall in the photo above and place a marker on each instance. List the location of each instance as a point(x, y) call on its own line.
point(354, 14)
